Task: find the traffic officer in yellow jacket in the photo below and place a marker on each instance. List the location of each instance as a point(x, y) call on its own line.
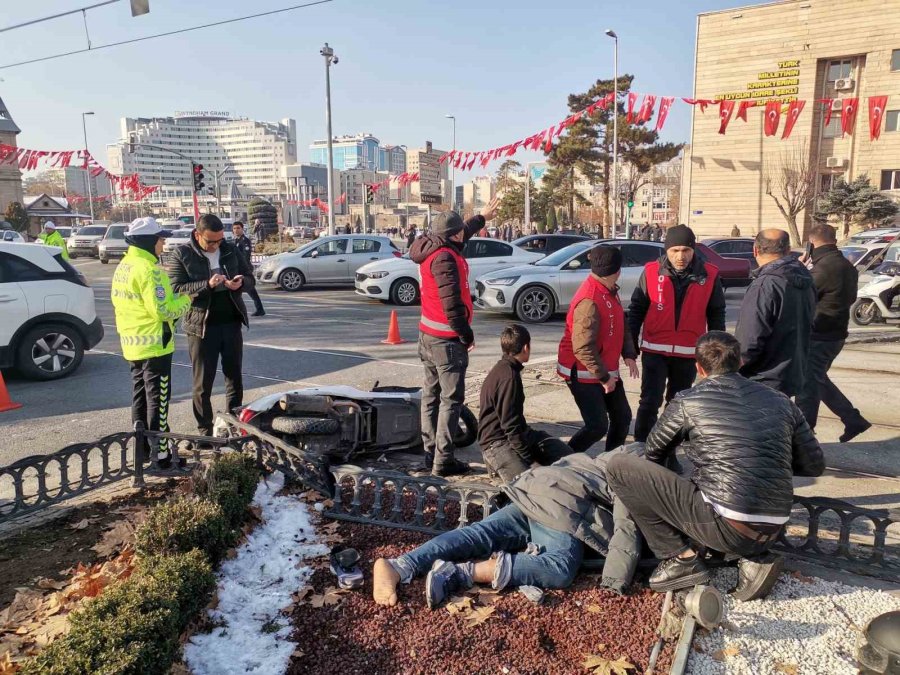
point(146, 311)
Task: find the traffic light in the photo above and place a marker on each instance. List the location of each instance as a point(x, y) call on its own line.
point(630, 201)
point(198, 178)
point(370, 194)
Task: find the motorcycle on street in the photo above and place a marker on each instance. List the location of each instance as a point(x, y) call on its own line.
point(873, 301)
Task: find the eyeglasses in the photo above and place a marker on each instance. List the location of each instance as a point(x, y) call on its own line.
point(212, 242)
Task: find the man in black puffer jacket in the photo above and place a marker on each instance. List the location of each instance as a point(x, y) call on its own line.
point(776, 316)
point(746, 442)
point(538, 539)
point(214, 274)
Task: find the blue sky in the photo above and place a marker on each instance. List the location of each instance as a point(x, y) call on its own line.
point(503, 67)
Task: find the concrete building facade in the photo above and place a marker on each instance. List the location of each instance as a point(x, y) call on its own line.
point(10, 176)
point(791, 50)
point(360, 151)
point(434, 178)
point(75, 182)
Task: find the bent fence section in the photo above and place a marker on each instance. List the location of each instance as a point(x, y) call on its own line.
point(824, 531)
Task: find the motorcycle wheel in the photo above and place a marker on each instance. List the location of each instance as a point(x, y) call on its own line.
point(308, 426)
point(864, 312)
point(468, 428)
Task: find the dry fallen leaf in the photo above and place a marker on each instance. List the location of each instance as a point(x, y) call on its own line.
point(7, 667)
point(594, 609)
point(331, 596)
point(115, 539)
point(478, 616)
point(459, 603)
point(50, 585)
point(80, 525)
point(600, 665)
point(787, 668)
point(722, 654)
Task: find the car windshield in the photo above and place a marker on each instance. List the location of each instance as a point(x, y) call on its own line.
point(181, 234)
point(853, 253)
point(64, 232)
point(116, 232)
point(893, 253)
point(563, 254)
point(92, 230)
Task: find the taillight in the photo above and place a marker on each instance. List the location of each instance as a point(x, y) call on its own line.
point(397, 254)
point(246, 416)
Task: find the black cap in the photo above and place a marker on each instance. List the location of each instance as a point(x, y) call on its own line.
point(680, 235)
point(605, 260)
point(446, 224)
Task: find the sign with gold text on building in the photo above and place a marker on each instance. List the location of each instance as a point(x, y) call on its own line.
point(782, 83)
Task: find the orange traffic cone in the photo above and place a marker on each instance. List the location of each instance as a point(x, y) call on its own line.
point(6, 403)
point(393, 337)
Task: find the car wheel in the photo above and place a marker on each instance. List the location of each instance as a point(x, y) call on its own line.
point(50, 351)
point(864, 311)
point(468, 428)
point(305, 426)
point(405, 292)
point(535, 304)
point(291, 280)
point(72, 256)
point(104, 261)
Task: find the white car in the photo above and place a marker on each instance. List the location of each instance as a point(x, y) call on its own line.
point(49, 318)
point(86, 241)
point(179, 237)
point(397, 280)
point(12, 236)
point(327, 260)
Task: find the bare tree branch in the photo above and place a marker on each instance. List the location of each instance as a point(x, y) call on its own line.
point(790, 181)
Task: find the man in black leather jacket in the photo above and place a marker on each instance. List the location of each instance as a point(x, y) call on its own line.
point(214, 274)
point(746, 442)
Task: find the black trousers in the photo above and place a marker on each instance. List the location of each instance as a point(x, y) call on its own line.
point(603, 414)
point(660, 375)
point(151, 389)
point(542, 449)
point(818, 387)
point(254, 295)
point(670, 511)
point(227, 341)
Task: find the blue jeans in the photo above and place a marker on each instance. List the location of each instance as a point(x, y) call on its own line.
point(554, 565)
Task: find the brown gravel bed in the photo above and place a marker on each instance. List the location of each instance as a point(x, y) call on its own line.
point(519, 638)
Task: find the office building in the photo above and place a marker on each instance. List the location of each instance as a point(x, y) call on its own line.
point(808, 50)
point(476, 194)
point(433, 186)
point(362, 151)
point(74, 180)
point(238, 149)
point(656, 200)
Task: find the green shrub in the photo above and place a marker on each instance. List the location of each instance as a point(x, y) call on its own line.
point(133, 628)
point(184, 524)
point(231, 483)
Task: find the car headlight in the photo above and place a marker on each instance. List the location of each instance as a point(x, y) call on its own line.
point(377, 275)
point(267, 265)
point(501, 281)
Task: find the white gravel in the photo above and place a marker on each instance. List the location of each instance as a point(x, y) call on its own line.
point(803, 627)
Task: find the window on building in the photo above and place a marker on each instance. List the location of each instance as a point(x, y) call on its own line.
point(892, 120)
point(890, 179)
point(833, 128)
point(839, 69)
point(827, 181)
point(895, 59)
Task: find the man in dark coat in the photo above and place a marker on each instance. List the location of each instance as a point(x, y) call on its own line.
point(835, 280)
point(746, 443)
point(776, 316)
point(538, 539)
point(245, 247)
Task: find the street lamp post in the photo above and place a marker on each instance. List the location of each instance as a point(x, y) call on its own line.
point(453, 167)
point(527, 223)
point(330, 59)
point(87, 171)
point(615, 191)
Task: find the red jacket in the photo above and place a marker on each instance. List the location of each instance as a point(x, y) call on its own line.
point(610, 338)
point(661, 335)
point(434, 320)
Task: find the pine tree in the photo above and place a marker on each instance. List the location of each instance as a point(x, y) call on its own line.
point(17, 217)
point(551, 220)
point(856, 201)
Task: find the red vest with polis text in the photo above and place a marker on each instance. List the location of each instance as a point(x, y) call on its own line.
point(660, 334)
point(610, 336)
point(433, 321)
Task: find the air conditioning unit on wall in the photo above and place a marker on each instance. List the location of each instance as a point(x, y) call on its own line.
point(835, 162)
point(837, 104)
point(843, 84)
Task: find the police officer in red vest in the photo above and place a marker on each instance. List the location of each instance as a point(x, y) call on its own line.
point(678, 298)
point(445, 332)
point(595, 340)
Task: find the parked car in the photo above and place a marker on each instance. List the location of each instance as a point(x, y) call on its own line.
point(179, 237)
point(734, 247)
point(49, 318)
point(879, 234)
point(547, 243)
point(12, 236)
point(86, 241)
point(64, 232)
point(397, 280)
point(534, 293)
point(113, 244)
point(862, 254)
point(327, 260)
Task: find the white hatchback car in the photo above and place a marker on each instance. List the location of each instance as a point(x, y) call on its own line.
point(397, 280)
point(49, 318)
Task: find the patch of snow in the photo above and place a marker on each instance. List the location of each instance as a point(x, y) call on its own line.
point(804, 623)
point(255, 586)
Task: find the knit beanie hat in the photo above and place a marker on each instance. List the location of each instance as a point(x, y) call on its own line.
point(680, 235)
point(446, 224)
point(605, 260)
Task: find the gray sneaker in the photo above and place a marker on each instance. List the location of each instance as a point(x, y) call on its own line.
point(443, 580)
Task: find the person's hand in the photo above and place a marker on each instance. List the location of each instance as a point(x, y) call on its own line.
point(234, 284)
point(216, 279)
point(470, 347)
point(490, 211)
point(632, 367)
point(610, 385)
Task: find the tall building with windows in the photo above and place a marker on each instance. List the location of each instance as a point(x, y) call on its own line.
point(246, 151)
point(433, 185)
point(811, 50)
point(362, 151)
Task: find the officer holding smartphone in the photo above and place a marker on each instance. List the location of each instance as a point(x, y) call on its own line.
point(214, 274)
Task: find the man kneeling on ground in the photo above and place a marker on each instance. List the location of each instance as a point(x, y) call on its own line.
point(508, 444)
point(537, 540)
point(746, 442)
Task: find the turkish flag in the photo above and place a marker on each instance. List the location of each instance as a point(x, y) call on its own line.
point(743, 107)
point(849, 108)
point(548, 146)
point(726, 110)
point(828, 109)
point(646, 111)
point(632, 99)
point(664, 104)
point(794, 110)
point(702, 102)
point(773, 117)
point(876, 114)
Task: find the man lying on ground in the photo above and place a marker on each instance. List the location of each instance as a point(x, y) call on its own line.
point(537, 540)
point(746, 442)
point(508, 444)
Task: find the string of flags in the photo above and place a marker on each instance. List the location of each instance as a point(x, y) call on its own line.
point(29, 160)
point(640, 109)
point(321, 205)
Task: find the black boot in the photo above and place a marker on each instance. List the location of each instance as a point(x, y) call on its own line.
point(677, 573)
point(851, 431)
point(757, 576)
point(452, 468)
